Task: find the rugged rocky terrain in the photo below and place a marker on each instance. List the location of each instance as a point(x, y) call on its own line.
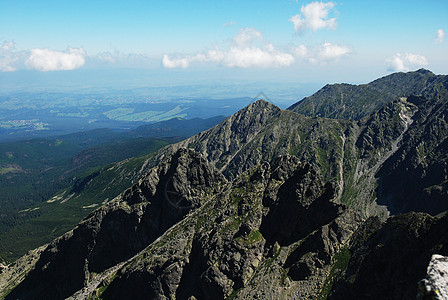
point(347, 101)
point(271, 204)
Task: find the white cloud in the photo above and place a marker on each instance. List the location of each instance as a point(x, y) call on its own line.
point(50, 60)
point(9, 57)
point(406, 61)
point(7, 45)
point(12, 59)
point(172, 63)
point(247, 36)
point(248, 50)
point(249, 57)
point(300, 51)
point(440, 36)
point(321, 54)
point(314, 16)
point(330, 51)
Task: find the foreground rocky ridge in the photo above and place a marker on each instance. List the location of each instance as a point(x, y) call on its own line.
point(269, 203)
point(400, 250)
point(233, 245)
point(120, 229)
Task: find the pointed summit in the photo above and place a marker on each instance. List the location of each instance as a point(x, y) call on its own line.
point(257, 108)
point(221, 145)
point(261, 96)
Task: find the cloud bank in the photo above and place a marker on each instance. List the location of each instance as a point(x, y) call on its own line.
point(40, 59)
point(248, 49)
point(314, 16)
point(50, 60)
point(321, 54)
point(406, 61)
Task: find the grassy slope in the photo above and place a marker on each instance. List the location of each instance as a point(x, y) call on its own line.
point(63, 211)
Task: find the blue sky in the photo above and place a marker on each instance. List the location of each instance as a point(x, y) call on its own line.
point(297, 41)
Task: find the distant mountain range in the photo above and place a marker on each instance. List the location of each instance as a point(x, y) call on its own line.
point(342, 196)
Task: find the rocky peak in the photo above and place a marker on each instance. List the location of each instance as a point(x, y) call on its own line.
point(435, 285)
point(246, 122)
point(220, 144)
point(225, 247)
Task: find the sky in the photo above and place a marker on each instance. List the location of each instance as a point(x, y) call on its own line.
point(195, 41)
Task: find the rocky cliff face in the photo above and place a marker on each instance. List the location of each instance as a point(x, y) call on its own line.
point(389, 260)
point(270, 204)
point(226, 247)
point(420, 162)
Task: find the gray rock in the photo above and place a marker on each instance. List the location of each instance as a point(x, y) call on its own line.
point(435, 285)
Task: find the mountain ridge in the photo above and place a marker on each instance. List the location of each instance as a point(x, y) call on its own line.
point(348, 101)
point(269, 203)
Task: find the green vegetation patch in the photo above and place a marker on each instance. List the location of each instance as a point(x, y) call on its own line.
point(341, 260)
point(118, 112)
point(10, 169)
point(254, 237)
point(58, 143)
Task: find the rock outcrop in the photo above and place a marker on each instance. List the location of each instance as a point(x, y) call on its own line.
point(435, 285)
point(224, 248)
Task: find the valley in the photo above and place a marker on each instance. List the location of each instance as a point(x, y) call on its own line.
point(34, 173)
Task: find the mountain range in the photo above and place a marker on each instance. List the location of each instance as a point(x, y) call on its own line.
point(341, 196)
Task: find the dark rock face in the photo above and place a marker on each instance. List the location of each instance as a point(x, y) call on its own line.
point(320, 247)
point(404, 126)
point(219, 255)
point(122, 228)
point(294, 211)
point(391, 261)
point(419, 167)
